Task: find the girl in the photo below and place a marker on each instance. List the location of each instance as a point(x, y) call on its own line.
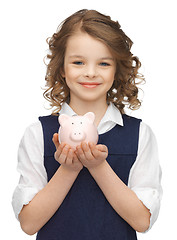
point(104, 191)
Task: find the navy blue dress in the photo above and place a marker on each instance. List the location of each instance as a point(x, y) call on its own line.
point(85, 213)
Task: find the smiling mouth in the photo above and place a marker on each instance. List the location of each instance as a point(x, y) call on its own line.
point(90, 84)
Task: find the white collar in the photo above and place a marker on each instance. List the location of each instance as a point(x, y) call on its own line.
point(112, 114)
point(66, 109)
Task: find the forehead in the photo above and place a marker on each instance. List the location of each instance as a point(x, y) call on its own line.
point(83, 44)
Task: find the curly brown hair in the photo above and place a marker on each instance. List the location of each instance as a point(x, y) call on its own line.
point(124, 90)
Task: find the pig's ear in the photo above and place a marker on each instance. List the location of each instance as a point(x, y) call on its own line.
point(90, 116)
point(63, 118)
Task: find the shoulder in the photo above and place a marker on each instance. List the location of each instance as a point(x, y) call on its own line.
point(147, 138)
point(131, 123)
point(48, 118)
point(34, 128)
point(146, 130)
point(33, 134)
point(32, 140)
point(49, 123)
point(128, 118)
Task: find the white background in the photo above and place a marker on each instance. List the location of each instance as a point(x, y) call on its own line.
point(24, 27)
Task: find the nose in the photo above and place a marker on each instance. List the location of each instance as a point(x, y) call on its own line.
point(77, 135)
point(90, 71)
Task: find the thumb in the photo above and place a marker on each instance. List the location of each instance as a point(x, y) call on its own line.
point(102, 148)
point(55, 140)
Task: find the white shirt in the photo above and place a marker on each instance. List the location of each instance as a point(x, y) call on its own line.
point(144, 178)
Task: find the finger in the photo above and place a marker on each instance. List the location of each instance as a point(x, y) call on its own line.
point(69, 159)
point(87, 151)
point(102, 149)
point(59, 150)
point(55, 140)
point(64, 153)
point(75, 158)
point(94, 150)
point(79, 153)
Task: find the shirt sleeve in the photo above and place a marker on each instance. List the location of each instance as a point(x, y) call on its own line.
point(33, 176)
point(145, 174)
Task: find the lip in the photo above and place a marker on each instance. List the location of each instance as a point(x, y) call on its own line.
point(90, 84)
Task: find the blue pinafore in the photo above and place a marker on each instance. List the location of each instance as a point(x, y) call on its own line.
point(85, 213)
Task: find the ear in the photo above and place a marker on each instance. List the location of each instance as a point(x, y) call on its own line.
point(63, 118)
point(62, 72)
point(90, 116)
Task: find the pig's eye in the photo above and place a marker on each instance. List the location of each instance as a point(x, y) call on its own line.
point(80, 122)
point(72, 123)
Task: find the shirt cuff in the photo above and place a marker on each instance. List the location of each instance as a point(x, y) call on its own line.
point(151, 199)
point(22, 196)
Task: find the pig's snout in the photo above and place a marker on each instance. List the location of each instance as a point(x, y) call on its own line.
point(77, 135)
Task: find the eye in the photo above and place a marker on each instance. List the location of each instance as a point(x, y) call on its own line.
point(72, 123)
point(78, 63)
point(80, 122)
point(104, 64)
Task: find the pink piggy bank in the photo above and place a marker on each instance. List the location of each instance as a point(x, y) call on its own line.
point(76, 129)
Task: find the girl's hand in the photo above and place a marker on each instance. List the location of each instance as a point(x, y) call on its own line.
point(65, 155)
point(91, 155)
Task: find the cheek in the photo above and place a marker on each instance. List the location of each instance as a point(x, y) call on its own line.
point(71, 73)
point(110, 77)
point(110, 73)
point(109, 80)
point(71, 77)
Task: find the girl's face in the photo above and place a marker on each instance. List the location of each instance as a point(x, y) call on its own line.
point(89, 68)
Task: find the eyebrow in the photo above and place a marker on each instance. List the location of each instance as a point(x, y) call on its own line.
point(107, 58)
point(76, 56)
point(103, 58)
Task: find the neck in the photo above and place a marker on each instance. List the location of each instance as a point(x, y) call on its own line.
point(98, 108)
